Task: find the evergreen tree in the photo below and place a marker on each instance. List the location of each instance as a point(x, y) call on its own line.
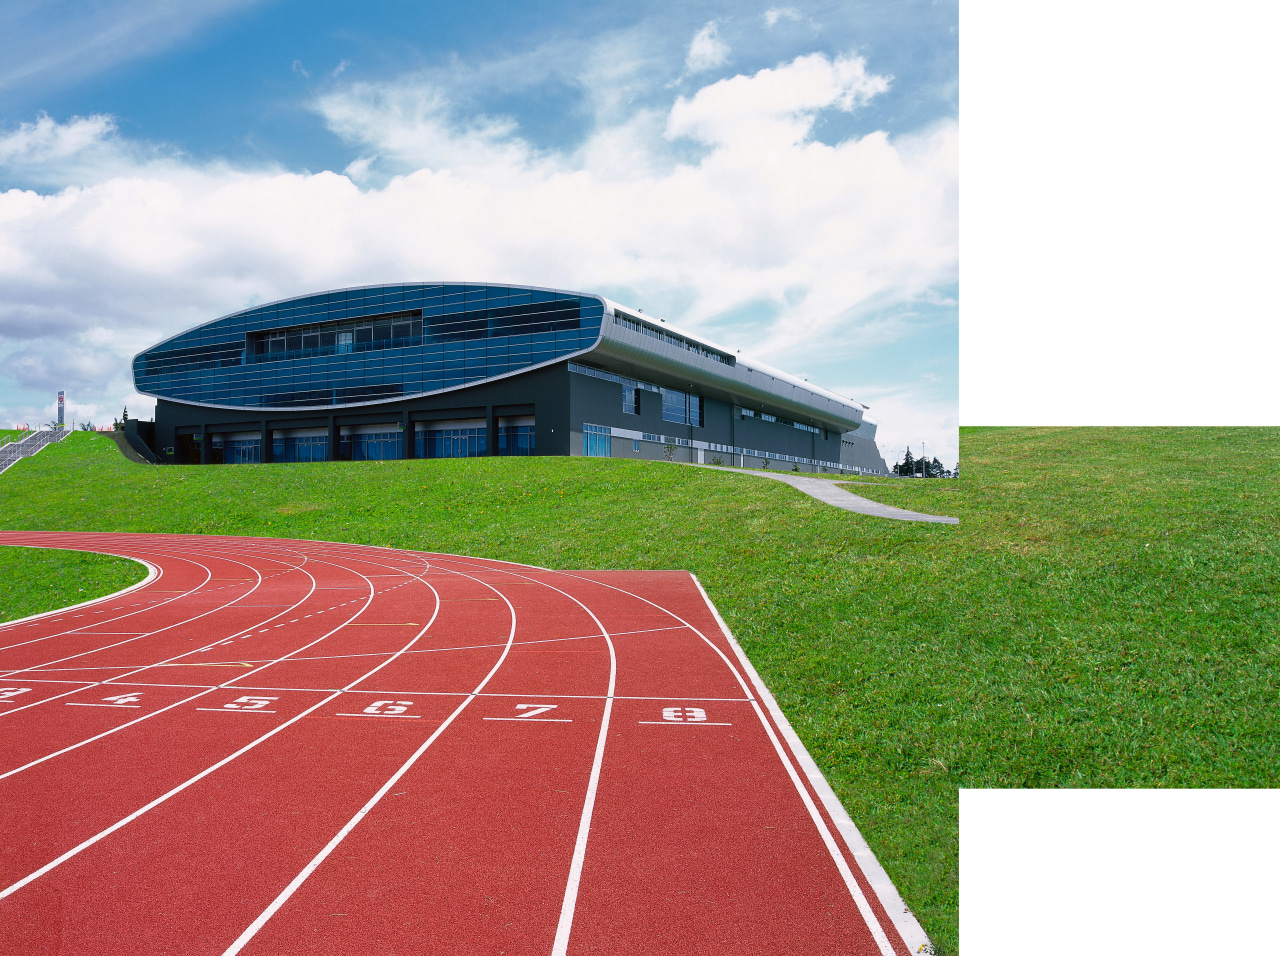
point(907, 466)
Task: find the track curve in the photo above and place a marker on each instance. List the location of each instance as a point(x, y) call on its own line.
point(278, 746)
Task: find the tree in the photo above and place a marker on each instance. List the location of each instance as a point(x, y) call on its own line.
point(907, 467)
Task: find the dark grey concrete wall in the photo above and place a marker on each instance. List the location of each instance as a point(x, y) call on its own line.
point(543, 393)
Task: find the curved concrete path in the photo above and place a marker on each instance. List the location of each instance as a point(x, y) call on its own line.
point(828, 492)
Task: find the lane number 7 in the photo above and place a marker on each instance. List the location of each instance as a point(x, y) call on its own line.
point(537, 709)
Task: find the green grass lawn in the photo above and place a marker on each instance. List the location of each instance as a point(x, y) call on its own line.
point(1104, 616)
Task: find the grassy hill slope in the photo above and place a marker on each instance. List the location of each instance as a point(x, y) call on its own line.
point(1105, 615)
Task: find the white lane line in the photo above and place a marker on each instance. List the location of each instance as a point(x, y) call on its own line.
point(855, 889)
point(824, 832)
point(139, 670)
point(74, 851)
point(233, 710)
point(297, 881)
point(154, 574)
point(536, 720)
point(185, 700)
point(72, 703)
point(186, 558)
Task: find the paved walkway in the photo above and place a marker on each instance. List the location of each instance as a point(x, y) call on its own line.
point(828, 492)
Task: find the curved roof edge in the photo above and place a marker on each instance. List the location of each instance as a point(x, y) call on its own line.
point(732, 378)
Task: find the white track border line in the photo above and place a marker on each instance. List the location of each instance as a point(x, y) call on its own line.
point(198, 650)
point(136, 636)
point(74, 851)
point(168, 707)
point(153, 573)
point(226, 685)
point(904, 920)
point(252, 929)
point(824, 832)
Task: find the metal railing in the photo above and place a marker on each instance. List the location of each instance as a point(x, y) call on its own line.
point(14, 451)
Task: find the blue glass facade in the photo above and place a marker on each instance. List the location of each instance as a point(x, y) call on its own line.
point(366, 345)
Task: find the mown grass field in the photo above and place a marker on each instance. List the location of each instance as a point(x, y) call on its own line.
point(1104, 616)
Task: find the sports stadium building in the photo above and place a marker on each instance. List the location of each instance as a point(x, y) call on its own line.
point(445, 370)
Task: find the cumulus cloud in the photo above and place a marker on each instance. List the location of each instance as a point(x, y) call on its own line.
point(707, 51)
point(759, 215)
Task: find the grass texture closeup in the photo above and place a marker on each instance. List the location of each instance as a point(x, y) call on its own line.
point(1105, 615)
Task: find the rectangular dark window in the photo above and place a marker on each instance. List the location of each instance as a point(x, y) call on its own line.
point(364, 334)
point(382, 331)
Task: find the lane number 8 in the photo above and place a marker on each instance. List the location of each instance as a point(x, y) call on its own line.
point(684, 714)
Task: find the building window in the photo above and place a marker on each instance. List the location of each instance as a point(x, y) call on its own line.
point(455, 442)
point(681, 407)
point(635, 444)
point(301, 448)
point(376, 446)
point(515, 440)
point(241, 451)
point(630, 403)
point(595, 441)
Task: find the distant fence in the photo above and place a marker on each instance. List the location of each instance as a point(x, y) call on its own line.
point(12, 452)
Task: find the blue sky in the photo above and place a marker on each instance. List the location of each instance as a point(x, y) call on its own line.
point(164, 164)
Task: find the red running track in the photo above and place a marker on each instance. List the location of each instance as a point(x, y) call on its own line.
point(276, 746)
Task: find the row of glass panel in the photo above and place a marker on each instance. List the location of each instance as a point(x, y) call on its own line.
point(383, 446)
point(393, 325)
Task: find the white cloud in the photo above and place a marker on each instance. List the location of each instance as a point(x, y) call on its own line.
point(90, 274)
point(707, 50)
point(46, 141)
point(774, 14)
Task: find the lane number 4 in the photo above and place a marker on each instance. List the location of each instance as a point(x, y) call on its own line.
point(124, 699)
point(7, 693)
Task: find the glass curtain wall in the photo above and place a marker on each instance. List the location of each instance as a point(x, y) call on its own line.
point(376, 446)
point(451, 442)
point(362, 345)
point(301, 448)
point(515, 440)
point(241, 451)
